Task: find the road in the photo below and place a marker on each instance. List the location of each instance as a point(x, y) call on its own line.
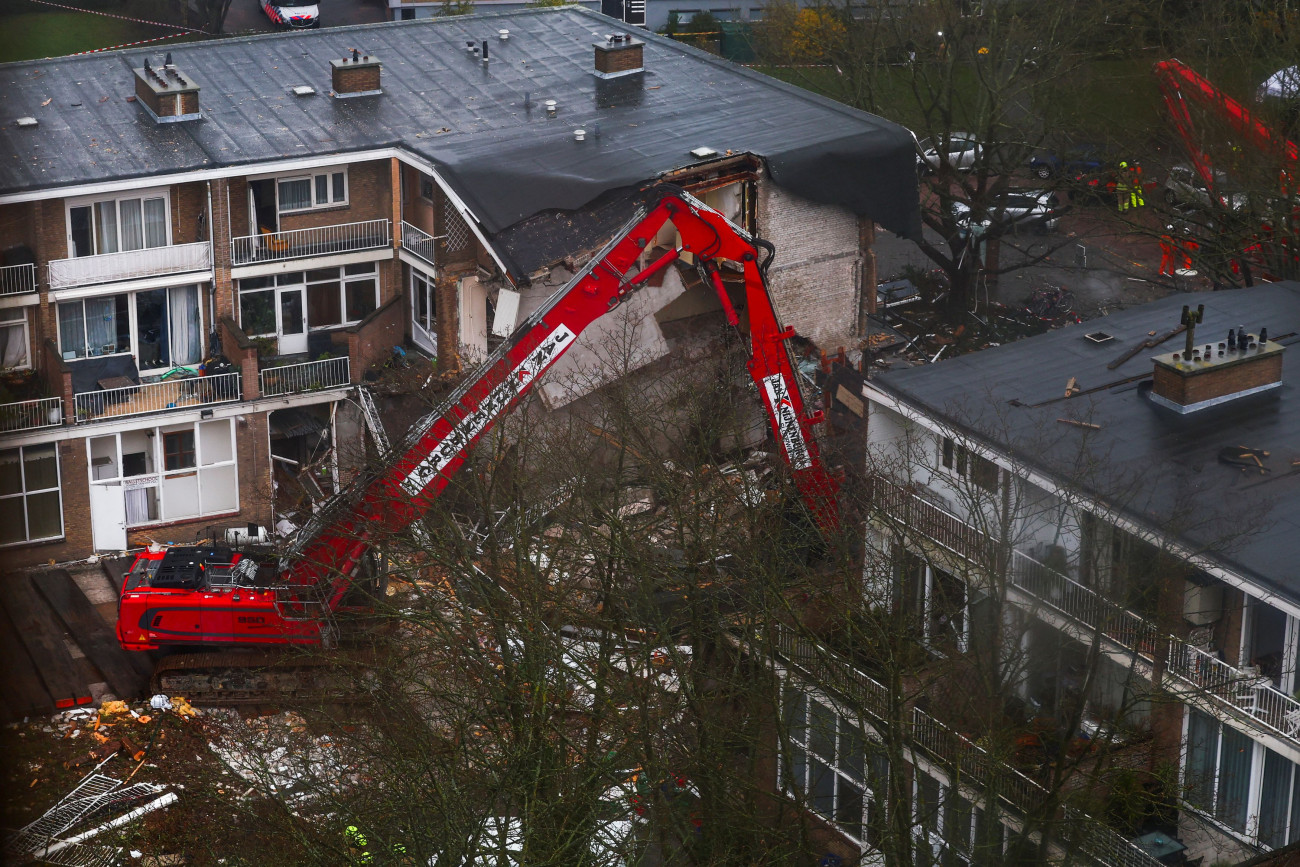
point(246, 16)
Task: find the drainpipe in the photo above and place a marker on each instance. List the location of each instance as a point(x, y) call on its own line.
point(212, 251)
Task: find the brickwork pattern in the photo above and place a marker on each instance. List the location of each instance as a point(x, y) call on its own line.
point(814, 277)
point(1194, 387)
point(623, 58)
point(370, 193)
point(371, 340)
point(355, 79)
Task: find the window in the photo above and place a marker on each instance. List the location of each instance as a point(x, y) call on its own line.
point(1217, 769)
point(257, 306)
point(164, 327)
point(117, 225)
point(950, 829)
point(966, 464)
point(935, 603)
point(833, 766)
point(31, 508)
point(178, 450)
point(198, 475)
point(426, 187)
point(323, 190)
point(15, 347)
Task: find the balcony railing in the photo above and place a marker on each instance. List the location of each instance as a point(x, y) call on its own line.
point(308, 376)
point(420, 243)
point(31, 414)
point(109, 267)
point(1191, 670)
point(150, 397)
point(17, 279)
point(959, 754)
point(303, 243)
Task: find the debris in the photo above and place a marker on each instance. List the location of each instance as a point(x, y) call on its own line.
point(160, 702)
point(1072, 387)
point(1246, 458)
point(134, 750)
point(1083, 424)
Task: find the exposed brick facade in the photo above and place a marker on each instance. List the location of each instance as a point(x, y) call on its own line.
point(371, 340)
point(355, 76)
point(622, 57)
point(815, 277)
point(1186, 387)
point(173, 100)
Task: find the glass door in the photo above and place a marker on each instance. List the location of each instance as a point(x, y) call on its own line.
point(293, 321)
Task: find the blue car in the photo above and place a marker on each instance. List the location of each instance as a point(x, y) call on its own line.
point(1074, 163)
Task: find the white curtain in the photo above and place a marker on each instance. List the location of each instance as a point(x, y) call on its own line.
point(13, 344)
point(183, 310)
point(155, 222)
point(106, 227)
point(295, 195)
point(72, 328)
point(101, 324)
point(132, 225)
point(137, 505)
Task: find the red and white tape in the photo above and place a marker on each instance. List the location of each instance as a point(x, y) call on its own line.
point(131, 44)
point(123, 18)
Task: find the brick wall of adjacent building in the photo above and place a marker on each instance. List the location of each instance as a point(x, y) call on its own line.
point(188, 203)
point(371, 340)
point(815, 275)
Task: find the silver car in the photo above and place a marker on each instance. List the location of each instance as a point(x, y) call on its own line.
point(1015, 208)
point(961, 151)
point(1185, 186)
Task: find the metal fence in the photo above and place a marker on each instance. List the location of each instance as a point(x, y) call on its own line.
point(420, 243)
point(31, 414)
point(17, 279)
point(152, 397)
point(150, 262)
point(307, 376)
point(318, 241)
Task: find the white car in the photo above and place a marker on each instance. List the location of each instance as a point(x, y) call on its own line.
point(1185, 186)
point(961, 151)
point(1040, 209)
point(296, 14)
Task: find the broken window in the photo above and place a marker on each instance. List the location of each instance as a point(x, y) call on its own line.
point(966, 464)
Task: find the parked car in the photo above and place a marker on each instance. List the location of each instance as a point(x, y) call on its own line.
point(1073, 162)
point(297, 14)
point(1185, 186)
point(961, 151)
point(1040, 209)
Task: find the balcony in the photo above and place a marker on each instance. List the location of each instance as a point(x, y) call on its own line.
point(308, 376)
point(17, 279)
point(305, 243)
point(959, 755)
point(153, 397)
point(1190, 672)
point(131, 265)
point(419, 243)
point(31, 414)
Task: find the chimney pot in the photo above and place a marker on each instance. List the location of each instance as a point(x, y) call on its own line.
point(503, 34)
point(168, 59)
point(1263, 335)
point(355, 55)
point(485, 51)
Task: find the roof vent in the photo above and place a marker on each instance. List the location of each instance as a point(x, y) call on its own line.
point(1205, 375)
point(703, 152)
point(166, 93)
point(26, 121)
point(356, 75)
point(618, 55)
point(303, 90)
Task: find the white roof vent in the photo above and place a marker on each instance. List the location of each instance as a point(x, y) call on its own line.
point(27, 121)
point(703, 153)
point(303, 90)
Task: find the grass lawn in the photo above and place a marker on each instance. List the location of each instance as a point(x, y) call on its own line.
point(32, 35)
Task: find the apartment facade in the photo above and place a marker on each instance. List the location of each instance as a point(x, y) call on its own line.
point(1113, 526)
point(207, 253)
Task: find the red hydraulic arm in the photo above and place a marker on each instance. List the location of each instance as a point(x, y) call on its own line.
point(330, 550)
point(1179, 84)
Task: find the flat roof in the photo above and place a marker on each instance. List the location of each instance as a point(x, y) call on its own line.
point(504, 157)
point(1152, 465)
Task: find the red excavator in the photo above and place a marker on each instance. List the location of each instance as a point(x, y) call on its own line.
point(210, 597)
point(1269, 246)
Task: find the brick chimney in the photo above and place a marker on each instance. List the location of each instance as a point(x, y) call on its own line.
point(166, 93)
point(619, 55)
point(1205, 375)
point(357, 75)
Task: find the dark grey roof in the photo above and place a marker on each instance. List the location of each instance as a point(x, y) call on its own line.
point(1149, 463)
point(466, 117)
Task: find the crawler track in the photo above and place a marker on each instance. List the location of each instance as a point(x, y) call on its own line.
point(254, 678)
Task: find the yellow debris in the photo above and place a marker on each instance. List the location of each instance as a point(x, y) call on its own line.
point(110, 708)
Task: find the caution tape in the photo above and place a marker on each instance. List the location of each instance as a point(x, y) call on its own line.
point(122, 18)
point(132, 44)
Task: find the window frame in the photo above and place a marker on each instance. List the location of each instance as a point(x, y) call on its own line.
point(23, 323)
point(344, 281)
point(24, 493)
point(961, 462)
point(142, 196)
point(313, 179)
point(133, 326)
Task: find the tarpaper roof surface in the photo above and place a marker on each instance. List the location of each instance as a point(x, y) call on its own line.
point(1149, 463)
point(468, 118)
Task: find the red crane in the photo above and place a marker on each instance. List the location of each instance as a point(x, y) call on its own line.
point(210, 597)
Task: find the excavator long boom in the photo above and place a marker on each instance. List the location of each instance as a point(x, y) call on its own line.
point(439, 444)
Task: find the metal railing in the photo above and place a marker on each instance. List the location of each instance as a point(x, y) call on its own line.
point(150, 262)
point(307, 376)
point(318, 241)
point(149, 397)
point(31, 414)
point(17, 279)
point(1195, 673)
point(420, 243)
point(961, 756)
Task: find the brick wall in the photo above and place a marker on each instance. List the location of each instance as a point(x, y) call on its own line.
point(355, 79)
point(618, 59)
point(236, 346)
point(448, 322)
point(369, 198)
point(814, 277)
point(1215, 382)
point(371, 340)
point(237, 195)
point(189, 202)
point(220, 217)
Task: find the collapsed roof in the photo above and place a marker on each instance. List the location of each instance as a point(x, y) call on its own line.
point(482, 126)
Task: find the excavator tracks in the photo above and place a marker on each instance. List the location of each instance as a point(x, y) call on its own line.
point(255, 678)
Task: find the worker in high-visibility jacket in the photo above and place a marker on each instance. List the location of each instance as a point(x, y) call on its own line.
point(1167, 251)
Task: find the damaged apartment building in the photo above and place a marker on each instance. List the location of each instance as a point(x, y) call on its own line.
point(208, 253)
